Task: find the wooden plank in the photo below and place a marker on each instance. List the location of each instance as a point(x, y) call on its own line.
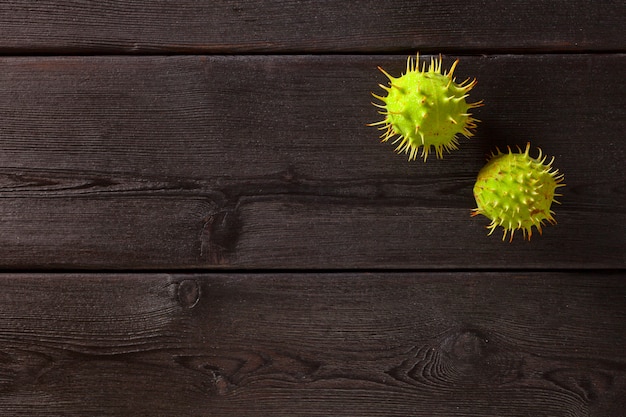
point(429, 344)
point(267, 162)
point(189, 26)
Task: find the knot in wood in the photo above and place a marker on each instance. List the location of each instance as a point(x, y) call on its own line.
point(188, 293)
point(466, 346)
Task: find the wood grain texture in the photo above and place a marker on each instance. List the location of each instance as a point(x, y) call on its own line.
point(278, 26)
point(129, 143)
point(469, 344)
point(267, 162)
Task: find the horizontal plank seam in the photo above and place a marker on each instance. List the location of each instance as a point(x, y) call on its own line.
point(303, 271)
point(429, 51)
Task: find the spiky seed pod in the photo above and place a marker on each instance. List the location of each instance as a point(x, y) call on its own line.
point(515, 191)
point(425, 109)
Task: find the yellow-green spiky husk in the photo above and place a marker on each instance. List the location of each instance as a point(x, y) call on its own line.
point(515, 191)
point(425, 109)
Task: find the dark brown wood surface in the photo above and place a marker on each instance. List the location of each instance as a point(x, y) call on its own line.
point(195, 219)
point(267, 162)
point(386, 344)
point(192, 26)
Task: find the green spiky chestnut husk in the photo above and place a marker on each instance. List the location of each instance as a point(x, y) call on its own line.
point(425, 109)
point(515, 191)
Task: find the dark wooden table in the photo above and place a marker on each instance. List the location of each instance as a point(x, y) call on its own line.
point(195, 219)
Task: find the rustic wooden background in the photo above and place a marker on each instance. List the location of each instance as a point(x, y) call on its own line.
point(195, 219)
